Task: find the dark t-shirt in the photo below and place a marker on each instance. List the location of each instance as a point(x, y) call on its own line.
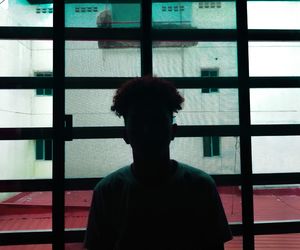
point(185, 212)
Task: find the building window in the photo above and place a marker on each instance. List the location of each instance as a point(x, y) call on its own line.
point(211, 146)
point(43, 150)
point(209, 73)
point(43, 92)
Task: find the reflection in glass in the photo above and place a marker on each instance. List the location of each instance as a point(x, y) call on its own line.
point(187, 58)
point(278, 241)
point(103, 58)
point(194, 15)
point(25, 57)
point(26, 13)
point(274, 58)
point(275, 106)
point(276, 203)
point(27, 247)
point(25, 159)
point(102, 15)
point(26, 108)
point(26, 211)
point(235, 244)
point(273, 14)
point(275, 154)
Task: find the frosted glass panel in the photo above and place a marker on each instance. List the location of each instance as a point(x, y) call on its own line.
point(25, 108)
point(102, 15)
point(103, 58)
point(274, 58)
point(22, 13)
point(275, 154)
point(25, 159)
point(97, 157)
point(189, 58)
point(273, 14)
point(194, 15)
point(275, 106)
point(25, 57)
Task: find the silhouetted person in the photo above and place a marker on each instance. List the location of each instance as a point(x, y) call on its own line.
point(155, 203)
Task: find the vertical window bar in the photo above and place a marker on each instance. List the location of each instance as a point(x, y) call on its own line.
point(58, 125)
point(216, 145)
point(146, 43)
point(244, 116)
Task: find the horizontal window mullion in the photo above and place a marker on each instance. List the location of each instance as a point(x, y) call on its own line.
point(182, 131)
point(26, 82)
point(26, 33)
point(273, 35)
point(194, 34)
point(179, 82)
point(25, 133)
point(276, 179)
point(274, 82)
point(23, 237)
point(102, 33)
point(261, 228)
point(26, 185)
point(273, 129)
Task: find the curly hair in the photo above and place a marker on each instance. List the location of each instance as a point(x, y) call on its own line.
point(153, 89)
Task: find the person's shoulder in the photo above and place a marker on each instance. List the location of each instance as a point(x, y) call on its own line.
point(195, 175)
point(115, 179)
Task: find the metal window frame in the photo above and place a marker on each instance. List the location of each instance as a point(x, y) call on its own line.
point(59, 133)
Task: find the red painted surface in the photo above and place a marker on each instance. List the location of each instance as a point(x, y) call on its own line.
point(32, 211)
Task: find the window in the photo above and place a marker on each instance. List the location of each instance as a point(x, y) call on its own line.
point(209, 73)
point(211, 146)
point(44, 92)
point(43, 150)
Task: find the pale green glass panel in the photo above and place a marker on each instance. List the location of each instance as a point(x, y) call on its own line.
point(275, 106)
point(25, 57)
point(194, 15)
point(102, 15)
point(23, 13)
point(102, 58)
point(18, 161)
point(275, 154)
point(24, 108)
point(97, 157)
point(187, 58)
point(274, 58)
point(273, 14)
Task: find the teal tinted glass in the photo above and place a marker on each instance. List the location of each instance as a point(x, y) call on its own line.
point(102, 15)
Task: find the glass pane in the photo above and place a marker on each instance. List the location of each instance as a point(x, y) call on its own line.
point(277, 241)
point(18, 160)
point(194, 15)
point(232, 202)
point(275, 154)
point(274, 58)
point(26, 211)
point(188, 58)
point(102, 15)
point(235, 244)
point(189, 150)
point(24, 108)
point(103, 58)
point(276, 203)
point(98, 156)
point(275, 106)
point(91, 107)
point(77, 205)
point(28, 247)
point(26, 13)
point(74, 246)
point(25, 57)
point(273, 14)
point(213, 108)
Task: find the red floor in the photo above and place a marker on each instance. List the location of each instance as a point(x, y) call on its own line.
point(32, 211)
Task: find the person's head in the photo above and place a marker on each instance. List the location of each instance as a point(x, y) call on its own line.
point(147, 105)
